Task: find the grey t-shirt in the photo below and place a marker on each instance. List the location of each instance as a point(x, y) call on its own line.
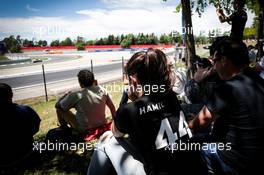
point(89, 103)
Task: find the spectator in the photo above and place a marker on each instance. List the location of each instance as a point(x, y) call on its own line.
point(260, 67)
point(89, 103)
point(18, 125)
point(237, 19)
point(252, 52)
point(239, 103)
point(153, 120)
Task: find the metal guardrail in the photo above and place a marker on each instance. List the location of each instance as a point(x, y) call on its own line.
point(4, 62)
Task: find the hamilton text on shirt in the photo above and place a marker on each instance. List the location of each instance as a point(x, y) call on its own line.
point(150, 108)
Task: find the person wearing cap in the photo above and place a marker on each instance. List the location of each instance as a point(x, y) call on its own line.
point(89, 103)
point(238, 102)
point(237, 19)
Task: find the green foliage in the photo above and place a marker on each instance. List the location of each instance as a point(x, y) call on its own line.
point(200, 5)
point(42, 43)
point(250, 33)
point(4, 58)
point(178, 8)
point(28, 43)
point(13, 44)
point(176, 37)
point(201, 39)
point(80, 46)
point(110, 39)
point(55, 43)
point(79, 39)
point(99, 42)
point(66, 42)
point(166, 39)
point(125, 43)
point(90, 43)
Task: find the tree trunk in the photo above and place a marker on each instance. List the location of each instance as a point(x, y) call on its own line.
point(187, 16)
point(260, 29)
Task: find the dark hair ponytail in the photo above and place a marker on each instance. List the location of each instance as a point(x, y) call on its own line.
point(150, 67)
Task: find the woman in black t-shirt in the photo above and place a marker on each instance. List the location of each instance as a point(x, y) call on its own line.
point(153, 120)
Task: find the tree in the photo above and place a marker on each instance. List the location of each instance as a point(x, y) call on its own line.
point(260, 29)
point(12, 44)
point(165, 39)
point(176, 37)
point(125, 43)
point(55, 43)
point(201, 39)
point(187, 21)
point(141, 39)
point(185, 5)
point(199, 5)
point(28, 43)
point(153, 39)
point(250, 33)
point(110, 39)
point(117, 40)
point(257, 6)
point(66, 42)
point(80, 39)
point(42, 43)
point(90, 42)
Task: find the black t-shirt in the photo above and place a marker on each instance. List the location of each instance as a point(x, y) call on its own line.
point(153, 123)
point(238, 19)
point(18, 125)
point(240, 104)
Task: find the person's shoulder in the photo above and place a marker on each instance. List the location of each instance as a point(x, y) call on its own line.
point(128, 106)
point(128, 109)
point(101, 88)
point(242, 13)
point(97, 89)
point(75, 91)
point(24, 109)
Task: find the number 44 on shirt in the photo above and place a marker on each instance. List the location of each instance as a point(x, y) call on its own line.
point(165, 127)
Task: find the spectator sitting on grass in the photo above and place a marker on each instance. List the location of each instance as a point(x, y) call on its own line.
point(239, 103)
point(89, 103)
point(154, 122)
point(18, 125)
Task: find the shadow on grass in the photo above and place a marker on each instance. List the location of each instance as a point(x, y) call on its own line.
point(64, 162)
point(55, 162)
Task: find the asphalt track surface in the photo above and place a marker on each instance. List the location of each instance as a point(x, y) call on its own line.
point(29, 80)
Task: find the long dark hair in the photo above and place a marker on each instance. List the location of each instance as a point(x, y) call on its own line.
point(150, 67)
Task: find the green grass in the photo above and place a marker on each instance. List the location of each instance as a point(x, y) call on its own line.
point(66, 162)
point(3, 58)
point(43, 59)
point(203, 53)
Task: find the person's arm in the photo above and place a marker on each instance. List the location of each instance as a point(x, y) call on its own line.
point(57, 105)
point(115, 131)
point(34, 120)
point(202, 120)
point(68, 101)
point(124, 98)
point(111, 106)
point(222, 17)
